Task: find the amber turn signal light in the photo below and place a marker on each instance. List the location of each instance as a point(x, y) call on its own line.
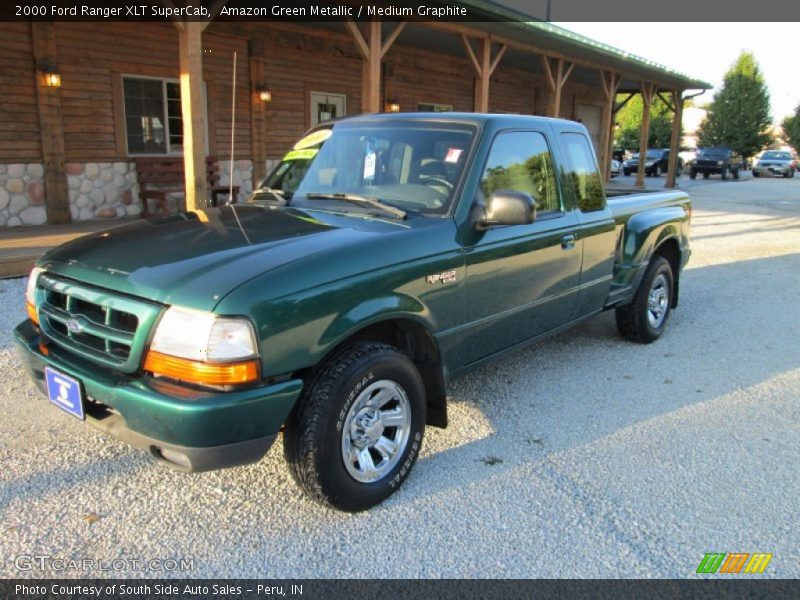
point(32, 313)
point(200, 372)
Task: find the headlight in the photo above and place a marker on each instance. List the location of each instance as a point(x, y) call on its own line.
point(204, 336)
point(30, 294)
point(650, 163)
point(202, 347)
point(720, 163)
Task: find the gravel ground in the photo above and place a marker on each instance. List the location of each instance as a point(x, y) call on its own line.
point(584, 456)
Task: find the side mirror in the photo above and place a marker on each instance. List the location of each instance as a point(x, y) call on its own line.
point(507, 207)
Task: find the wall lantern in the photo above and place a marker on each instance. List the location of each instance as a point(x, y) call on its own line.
point(392, 105)
point(262, 89)
point(49, 70)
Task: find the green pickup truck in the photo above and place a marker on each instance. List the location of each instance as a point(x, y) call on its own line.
point(383, 256)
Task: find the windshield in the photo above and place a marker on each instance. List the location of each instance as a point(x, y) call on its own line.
point(714, 152)
point(411, 165)
point(776, 156)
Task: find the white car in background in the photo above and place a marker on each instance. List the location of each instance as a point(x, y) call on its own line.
point(616, 167)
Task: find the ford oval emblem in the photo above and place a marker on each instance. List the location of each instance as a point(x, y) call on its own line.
point(74, 325)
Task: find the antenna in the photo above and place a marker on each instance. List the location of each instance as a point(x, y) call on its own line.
point(233, 139)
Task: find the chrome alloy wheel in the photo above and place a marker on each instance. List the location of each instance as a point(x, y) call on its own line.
point(658, 302)
point(375, 432)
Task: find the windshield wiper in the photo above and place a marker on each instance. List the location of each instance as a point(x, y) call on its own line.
point(360, 200)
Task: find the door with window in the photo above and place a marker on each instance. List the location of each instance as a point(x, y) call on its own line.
point(522, 280)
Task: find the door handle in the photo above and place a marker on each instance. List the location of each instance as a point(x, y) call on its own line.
point(568, 241)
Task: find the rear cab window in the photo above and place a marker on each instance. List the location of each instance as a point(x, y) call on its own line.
point(582, 172)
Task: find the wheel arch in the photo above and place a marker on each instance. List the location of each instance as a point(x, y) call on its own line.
point(414, 339)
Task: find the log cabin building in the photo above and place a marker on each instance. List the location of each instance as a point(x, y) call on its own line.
point(82, 101)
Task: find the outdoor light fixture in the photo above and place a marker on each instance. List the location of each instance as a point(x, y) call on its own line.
point(262, 89)
point(392, 105)
point(49, 70)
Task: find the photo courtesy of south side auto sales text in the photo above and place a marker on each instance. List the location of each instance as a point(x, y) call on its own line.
point(121, 590)
point(202, 12)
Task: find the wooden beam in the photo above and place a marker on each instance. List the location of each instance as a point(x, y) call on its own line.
point(675, 140)
point(190, 51)
point(258, 110)
point(392, 38)
point(619, 106)
point(669, 104)
point(497, 59)
point(648, 90)
point(556, 75)
point(610, 83)
point(51, 128)
point(471, 54)
point(458, 29)
point(481, 98)
point(358, 38)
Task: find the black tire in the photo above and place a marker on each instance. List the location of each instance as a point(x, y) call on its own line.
point(724, 174)
point(678, 171)
point(626, 172)
point(313, 439)
point(692, 174)
point(706, 174)
point(756, 174)
point(657, 171)
point(633, 320)
point(735, 174)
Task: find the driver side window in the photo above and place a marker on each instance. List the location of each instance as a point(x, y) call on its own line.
point(521, 161)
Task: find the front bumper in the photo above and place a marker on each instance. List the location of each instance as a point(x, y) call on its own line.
point(777, 170)
point(189, 429)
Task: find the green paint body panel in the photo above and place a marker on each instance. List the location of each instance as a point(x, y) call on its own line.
point(311, 279)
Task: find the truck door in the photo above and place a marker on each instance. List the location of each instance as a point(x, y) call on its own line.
point(597, 228)
point(521, 280)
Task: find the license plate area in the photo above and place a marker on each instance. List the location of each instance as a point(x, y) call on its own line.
point(65, 392)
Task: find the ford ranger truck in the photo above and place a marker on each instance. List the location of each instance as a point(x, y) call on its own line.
point(383, 256)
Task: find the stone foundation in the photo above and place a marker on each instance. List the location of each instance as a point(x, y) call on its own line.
point(97, 190)
point(102, 190)
point(22, 195)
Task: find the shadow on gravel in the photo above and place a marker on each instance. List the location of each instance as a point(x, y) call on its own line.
point(42, 485)
point(729, 333)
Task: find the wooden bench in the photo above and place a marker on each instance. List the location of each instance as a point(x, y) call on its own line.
point(159, 177)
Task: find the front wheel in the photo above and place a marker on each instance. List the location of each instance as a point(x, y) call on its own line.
point(357, 431)
point(645, 318)
point(724, 174)
point(692, 174)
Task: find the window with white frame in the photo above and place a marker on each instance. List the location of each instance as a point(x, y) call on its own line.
point(153, 118)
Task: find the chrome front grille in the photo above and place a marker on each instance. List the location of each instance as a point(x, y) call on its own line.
point(102, 326)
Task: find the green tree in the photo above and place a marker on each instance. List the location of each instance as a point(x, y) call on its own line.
point(791, 129)
point(739, 116)
point(629, 119)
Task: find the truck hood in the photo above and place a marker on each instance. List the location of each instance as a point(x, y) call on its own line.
point(194, 259)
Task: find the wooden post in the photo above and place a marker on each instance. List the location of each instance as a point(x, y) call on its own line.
point(194, 128)
point(675, 141)
point(372, 50)
point(258, 110)
point(610, 81)
point(51, 128)
point(484, 68)
point(648, 90)
point(556, 75)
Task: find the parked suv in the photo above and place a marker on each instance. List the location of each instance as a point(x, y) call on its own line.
point(713, 161)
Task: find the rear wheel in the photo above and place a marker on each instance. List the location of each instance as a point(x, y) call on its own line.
point(706, 174)
point(356, 434)
point(692, 174)
point(724, 173)
point(756, 174)
point(645, 318)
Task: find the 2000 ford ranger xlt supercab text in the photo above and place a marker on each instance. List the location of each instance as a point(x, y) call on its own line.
point(383, 256)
